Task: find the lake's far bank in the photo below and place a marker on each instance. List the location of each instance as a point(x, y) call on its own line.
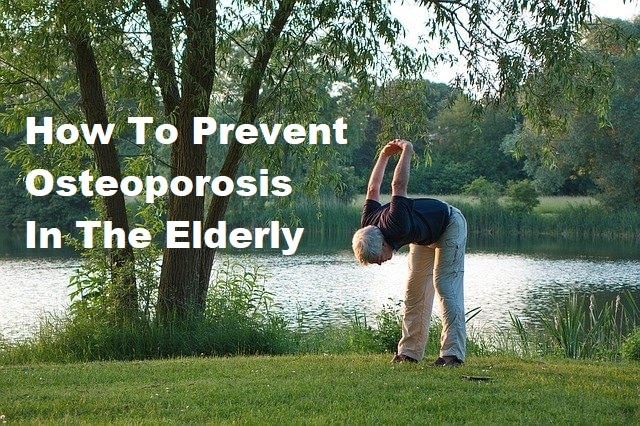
point(571, 218)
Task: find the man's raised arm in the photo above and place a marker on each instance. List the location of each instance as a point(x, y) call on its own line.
point(377, 174)
point(400, 181)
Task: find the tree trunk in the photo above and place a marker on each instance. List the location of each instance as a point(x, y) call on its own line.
point(185, 273)
point(122, 290)
point(179, 276)
point(248, 113)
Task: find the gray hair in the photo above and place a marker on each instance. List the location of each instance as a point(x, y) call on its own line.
point(367, 244)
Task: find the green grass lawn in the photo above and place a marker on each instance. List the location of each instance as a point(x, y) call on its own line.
point(358, 389)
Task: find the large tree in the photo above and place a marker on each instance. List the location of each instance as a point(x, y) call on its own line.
point(587, 145)
point(171, 59)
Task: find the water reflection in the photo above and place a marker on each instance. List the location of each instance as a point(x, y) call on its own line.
point(539, 247)
point(31, 288)
point(13, 245)
point(557, 248)
point(498, 283)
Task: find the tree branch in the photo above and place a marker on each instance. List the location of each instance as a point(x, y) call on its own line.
point(35, 81)
point(160, 26)
point(252, 82)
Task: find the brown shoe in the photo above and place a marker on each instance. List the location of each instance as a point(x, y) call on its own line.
point(403, 358)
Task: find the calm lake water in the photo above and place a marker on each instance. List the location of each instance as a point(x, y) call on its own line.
point(323, 282)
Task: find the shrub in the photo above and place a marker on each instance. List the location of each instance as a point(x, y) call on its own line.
point(482, 189)
point(521, 195)
point(631, 347)
point(389, 328)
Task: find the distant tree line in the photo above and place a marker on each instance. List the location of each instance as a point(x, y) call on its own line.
point(460, 143)
point(577, 151)
point(16, 207)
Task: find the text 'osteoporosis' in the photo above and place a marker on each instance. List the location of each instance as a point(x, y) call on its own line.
point(41, 182)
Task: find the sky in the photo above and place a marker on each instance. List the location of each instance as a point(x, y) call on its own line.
point(615, 8)
point(408, 15)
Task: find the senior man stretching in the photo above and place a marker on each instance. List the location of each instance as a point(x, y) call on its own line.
point(437, 234)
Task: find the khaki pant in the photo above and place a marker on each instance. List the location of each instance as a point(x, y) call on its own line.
point(438, 267)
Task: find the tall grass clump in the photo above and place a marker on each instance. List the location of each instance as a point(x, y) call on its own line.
point(578, 329)
point(579, 221)
point(328, 216)
point(358, 335)
point(246, 318)
point(380, 335)
point(323, 215)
